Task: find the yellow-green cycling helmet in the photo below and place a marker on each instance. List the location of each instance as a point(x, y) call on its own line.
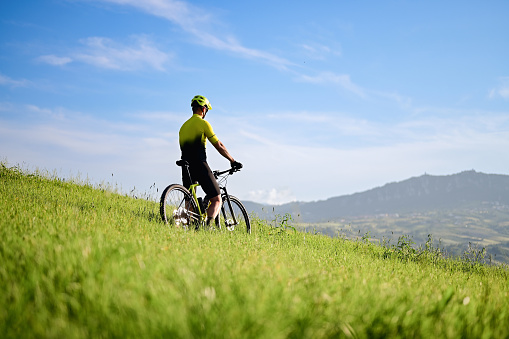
point(202, 101)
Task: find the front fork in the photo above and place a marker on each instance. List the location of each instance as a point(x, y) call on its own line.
point(226, 200)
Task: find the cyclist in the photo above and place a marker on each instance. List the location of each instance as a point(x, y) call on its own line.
point(193, 136)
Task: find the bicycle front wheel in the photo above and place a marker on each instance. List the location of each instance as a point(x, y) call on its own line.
point(177, 206)
point(234, 216)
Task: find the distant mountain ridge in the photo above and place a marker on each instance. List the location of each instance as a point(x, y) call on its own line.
point(467, 189)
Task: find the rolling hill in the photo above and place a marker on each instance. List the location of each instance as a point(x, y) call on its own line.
point(465, 190)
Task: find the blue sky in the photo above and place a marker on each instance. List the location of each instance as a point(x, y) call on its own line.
point(318, 99)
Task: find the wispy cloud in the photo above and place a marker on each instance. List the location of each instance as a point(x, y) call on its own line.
point(401, 100)
point(158, 116)
point(502, 90)
point(54, 60)
point(107, 53)
point(425, 128)
point(232, 45)
point(330, 78)
point(198, 23)
point(7, 81)
point(179, 12)
point(318, 51)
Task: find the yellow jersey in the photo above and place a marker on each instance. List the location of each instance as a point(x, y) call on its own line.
point(193, 137)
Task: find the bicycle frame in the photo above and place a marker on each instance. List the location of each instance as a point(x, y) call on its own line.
point(192, 189)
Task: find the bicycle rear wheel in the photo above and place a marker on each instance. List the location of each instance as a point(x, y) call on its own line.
point(177, 207)
point(234, 216)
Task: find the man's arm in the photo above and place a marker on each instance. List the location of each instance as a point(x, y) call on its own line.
point(223, 151)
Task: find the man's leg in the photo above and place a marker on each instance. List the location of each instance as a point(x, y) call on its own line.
point(213, 209)
point(209, 185)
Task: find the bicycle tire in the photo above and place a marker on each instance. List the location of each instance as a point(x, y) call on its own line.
point(177, 206)
point(240, 213)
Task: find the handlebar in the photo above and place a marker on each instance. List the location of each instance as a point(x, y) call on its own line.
point(184, 163)
point(229, 171)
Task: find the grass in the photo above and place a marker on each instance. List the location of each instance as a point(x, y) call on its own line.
point(486, 226)
point(78, 261)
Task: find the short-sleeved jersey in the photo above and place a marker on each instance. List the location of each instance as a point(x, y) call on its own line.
point(193, 137)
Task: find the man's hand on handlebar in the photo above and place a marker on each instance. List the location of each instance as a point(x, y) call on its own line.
point(236, 165)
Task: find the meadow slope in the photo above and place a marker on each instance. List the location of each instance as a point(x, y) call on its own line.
point(80, 262)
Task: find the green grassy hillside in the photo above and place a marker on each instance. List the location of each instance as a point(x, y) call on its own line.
point(77, 262)
point(455, 229)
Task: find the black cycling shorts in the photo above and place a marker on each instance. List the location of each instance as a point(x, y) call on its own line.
point(200, 171)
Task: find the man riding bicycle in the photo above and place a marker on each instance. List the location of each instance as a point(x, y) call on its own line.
point(193, 137)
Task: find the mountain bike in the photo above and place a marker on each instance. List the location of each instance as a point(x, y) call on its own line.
point(182, 207)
